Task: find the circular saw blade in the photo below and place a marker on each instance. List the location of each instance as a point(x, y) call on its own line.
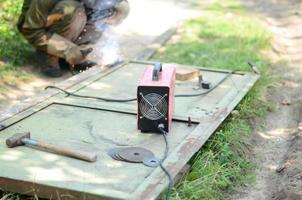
point(135, 154)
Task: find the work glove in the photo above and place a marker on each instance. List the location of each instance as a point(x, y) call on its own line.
point(75, 55)
point(63, 48)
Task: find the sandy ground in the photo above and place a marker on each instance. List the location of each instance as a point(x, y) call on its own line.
point(147, 20)
point(278, 146)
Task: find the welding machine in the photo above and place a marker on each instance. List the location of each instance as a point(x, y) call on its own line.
point(155, 98)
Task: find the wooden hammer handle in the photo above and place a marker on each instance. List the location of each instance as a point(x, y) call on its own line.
point(90, 157)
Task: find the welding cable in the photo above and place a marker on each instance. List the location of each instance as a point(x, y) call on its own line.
point(90, 97)
point(170, 186)
point(254, 67)
point(134, 99)
point(209, 90)
point(251, 65)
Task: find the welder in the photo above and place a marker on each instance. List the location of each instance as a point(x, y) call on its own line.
point(63, 30)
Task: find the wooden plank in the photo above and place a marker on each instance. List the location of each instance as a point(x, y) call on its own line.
point(185, 74)
point(45, 191)
point(86, 125)
point(89, 130)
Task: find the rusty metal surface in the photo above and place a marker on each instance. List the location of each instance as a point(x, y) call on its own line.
point(97, 126)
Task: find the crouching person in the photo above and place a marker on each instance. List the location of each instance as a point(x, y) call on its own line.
point(61, 30)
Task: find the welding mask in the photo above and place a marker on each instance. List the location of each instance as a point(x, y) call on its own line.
point(111, 12)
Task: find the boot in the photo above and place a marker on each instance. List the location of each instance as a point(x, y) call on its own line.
point(76, 68)
point(52, 67)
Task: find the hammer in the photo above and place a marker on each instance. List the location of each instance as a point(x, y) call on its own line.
point(21, 139)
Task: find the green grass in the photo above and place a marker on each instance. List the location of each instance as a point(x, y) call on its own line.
point(225, 36)
point(14, 50)
point(11, 196)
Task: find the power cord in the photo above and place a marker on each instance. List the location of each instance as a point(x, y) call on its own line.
point(252, 66)
point(89, 97)
point(170, 186)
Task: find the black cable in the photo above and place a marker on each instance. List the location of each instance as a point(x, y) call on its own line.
point(134, 99)
point(170, 186)
point(90, 97)
point(209, 90)
point(254, 67)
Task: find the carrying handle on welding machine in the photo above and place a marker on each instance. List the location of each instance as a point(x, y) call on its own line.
point(157, 68)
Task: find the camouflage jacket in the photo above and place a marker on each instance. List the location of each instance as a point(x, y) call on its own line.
point(33, 19)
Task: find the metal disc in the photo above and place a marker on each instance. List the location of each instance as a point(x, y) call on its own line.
point(151, 162)
point(135, 154)
point(113, 153)
point(118, 157)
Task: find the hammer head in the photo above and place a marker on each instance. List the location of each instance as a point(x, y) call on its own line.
point(16, 140)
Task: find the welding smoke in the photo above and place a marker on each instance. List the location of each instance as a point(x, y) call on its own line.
point(106, 50)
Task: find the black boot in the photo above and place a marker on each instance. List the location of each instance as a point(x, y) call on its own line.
point(84, 66)
point(52, 67)
point(76, 68)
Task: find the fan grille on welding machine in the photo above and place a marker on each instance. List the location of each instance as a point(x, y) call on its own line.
point(153, 106)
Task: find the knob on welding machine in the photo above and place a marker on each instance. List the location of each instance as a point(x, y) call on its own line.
point(155, 98)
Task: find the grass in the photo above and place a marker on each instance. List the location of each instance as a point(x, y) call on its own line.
point(14, 50)
point(11, 196)
point(225, 36)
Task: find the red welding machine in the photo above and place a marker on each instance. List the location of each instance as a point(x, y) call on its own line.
point(155, 96)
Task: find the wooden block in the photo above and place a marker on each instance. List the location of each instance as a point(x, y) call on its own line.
point(184, 74)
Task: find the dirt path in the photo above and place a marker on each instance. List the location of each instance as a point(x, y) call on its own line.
point(278, 146)
point(147, 20)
